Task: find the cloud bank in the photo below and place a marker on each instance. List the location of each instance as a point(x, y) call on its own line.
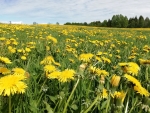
point(52, 11)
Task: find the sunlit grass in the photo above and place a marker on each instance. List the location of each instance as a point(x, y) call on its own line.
point(75, 69)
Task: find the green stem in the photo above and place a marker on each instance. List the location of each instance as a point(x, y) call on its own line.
point(43, 85)
point(64, 111)
point(126, 109)
point(133, 105)
point(146, 73)
point(10, 104)
point(39, 98)
point(94, 102)
point(108, 104)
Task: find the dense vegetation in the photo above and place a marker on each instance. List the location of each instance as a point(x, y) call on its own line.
point(118, 21)
point(72, 69)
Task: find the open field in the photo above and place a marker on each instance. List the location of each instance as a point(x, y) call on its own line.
point(72, 69)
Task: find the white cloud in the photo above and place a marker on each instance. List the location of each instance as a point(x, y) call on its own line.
point(73, 10)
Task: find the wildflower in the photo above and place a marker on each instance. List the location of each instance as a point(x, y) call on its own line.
point(98, 59)
point(18, 71)
point(130, 68)
point(27, 49)
point(49, 68)
point(13, 50)
point(12, 84)
point(106, 60)
point(48, 60)
point(23, 57)
point(56, 63)
point(4, 70)
point(92, 69)
point(115, 80)
point(123, 64)
point(66, 75)
point(47, 48)
point(142, 61)
point(86, 57)
point(141, 90)
point(5, 60)
point(104, 93)
point(2, 38)
point(52, 39)
point(132, 79)
point(54, 75)
point(99, 53)
point(82, 67)
point(71, 60)
point(98, 71)
point(120, 96)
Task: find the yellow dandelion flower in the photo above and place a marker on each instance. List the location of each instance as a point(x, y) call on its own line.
point(104, 93)
point(67, 74)
point(47, 48)
point(23, 57)
point(12, 84)
point(48, 60)
point(141, 91)
point(142, 61)
point(133, 68)
point(98, 59)
point(27, 49)
point(115, 80)
point(5, 60)
point(92, 69)
point(120, 95)
point(49, 68)
point(86, 57)
point(54, 75)
point(56, 63)
point(123, 64)
point(71, 60)
point(52, 39)
point(18, 71)
point(130, 68)
point(106, 60)
point(99, 53)
point(13, 50)
point(101, 72)
point(132, 79)
point(2, 38)
point(4, 70)
point(19, 50)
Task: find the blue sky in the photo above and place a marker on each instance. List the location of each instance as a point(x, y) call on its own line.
point(62, 11)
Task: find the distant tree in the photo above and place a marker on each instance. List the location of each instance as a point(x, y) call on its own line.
point(124, 21)
point(67, 23)
point(131, 23)
point(119, 21)
point(34, 23)
point(104, 23)
point(109, 23)
point(57, 23)
point(85, 23)
point(146, 22)
point(141, 21)
point(136, 20)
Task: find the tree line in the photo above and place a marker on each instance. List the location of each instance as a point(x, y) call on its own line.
point(118, 21)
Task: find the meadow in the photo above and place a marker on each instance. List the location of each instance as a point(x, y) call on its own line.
point(74, 69)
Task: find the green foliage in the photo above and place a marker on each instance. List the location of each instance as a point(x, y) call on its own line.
point(84, 93)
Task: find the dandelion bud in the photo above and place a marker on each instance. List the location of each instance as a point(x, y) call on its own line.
point(82, 67)
point(115, 80)
point(102, 79)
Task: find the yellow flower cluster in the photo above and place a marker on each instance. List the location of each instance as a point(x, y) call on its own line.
point(130, 68)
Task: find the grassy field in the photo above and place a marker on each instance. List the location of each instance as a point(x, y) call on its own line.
point(74, 69)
